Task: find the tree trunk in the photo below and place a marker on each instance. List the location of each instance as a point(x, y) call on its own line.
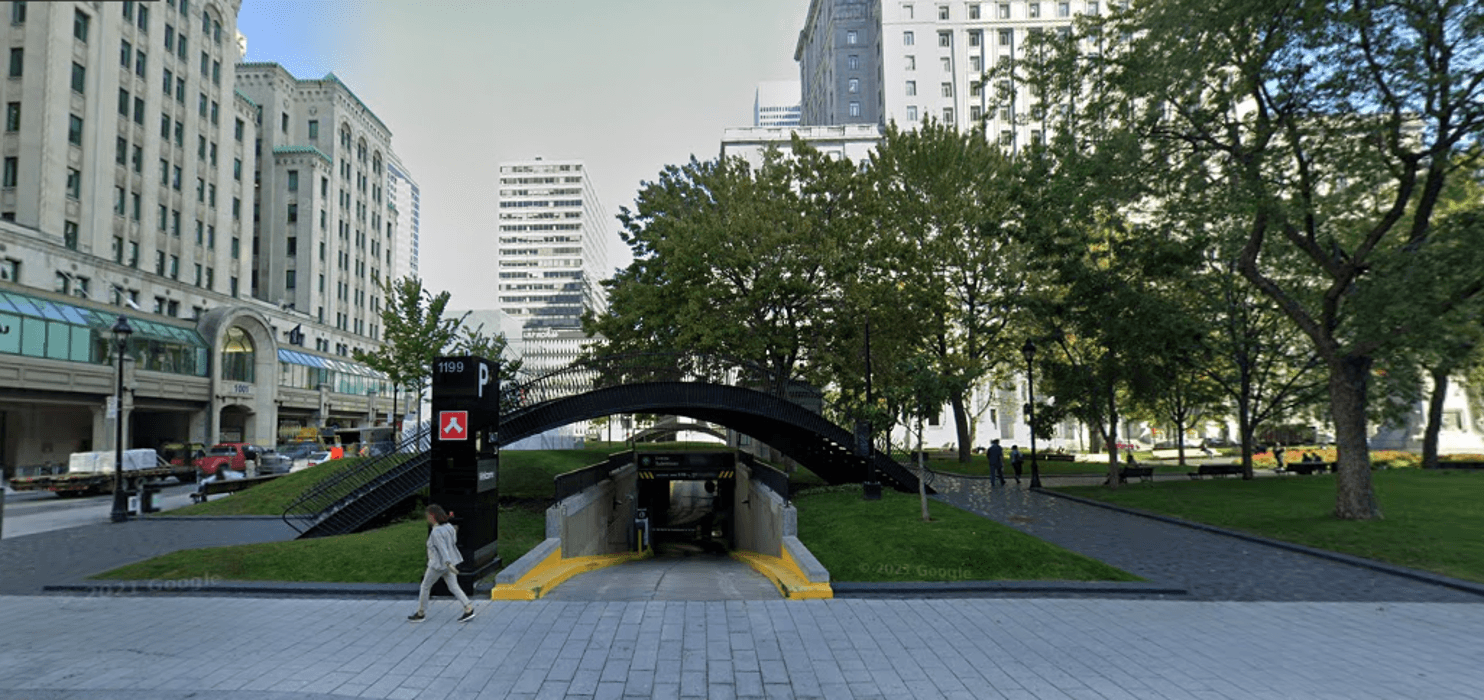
point(1245, 428)
point(1112, 438)
point(1180, 440)
point(961, 423)
point(1435, 415)
point(922, 474)
point(1349, 379)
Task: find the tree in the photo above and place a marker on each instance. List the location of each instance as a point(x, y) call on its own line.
point(1328, 129)
point(733, 262)
point(414, 331)
point(473, 341)
point(948, 193)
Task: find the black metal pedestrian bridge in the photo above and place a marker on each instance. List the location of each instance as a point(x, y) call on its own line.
point(787, 416)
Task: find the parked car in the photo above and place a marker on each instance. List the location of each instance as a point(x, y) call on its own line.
point(323, 456)
point(235, 456)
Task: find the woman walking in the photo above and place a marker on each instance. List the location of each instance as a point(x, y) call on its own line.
point(443, 562)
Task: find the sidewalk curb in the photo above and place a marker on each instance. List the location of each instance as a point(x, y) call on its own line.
point(851, 589)
point(291, 589)
point(1362, 562)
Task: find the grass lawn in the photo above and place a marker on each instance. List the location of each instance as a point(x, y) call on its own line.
point(269, 498)
point(1434, 520)
point(887, 541)
point(978, 465)
point(392, 554)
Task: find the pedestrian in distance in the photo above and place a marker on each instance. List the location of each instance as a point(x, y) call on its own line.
point(1278, 456)
point(996, 463)
point(1017, 461)
point(443, 562)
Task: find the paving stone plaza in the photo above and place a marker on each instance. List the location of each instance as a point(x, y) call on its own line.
point(241, 648)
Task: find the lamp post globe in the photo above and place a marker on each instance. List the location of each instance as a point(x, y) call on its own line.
point(1028, 351)
point(121, 332)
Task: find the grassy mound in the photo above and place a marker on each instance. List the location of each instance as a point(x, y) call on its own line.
point(1434, 520)
point(887, 540)
point(269, 498)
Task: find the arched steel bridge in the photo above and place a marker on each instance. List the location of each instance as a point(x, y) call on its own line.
point(716, 390)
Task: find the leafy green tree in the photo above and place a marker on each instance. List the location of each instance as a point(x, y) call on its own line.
point(414, 331)
point(948, 195)
point(1328, 131)
point(474, 341)
point(733, 261)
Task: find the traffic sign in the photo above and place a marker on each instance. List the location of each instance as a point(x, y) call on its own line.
point(453, 425)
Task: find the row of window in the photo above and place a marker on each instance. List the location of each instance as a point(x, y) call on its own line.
point(1002, 10)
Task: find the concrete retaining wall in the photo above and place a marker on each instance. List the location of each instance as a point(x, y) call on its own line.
point(599, 520)
point(760, 514)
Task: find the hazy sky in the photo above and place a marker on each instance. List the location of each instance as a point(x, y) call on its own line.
point(626, 85)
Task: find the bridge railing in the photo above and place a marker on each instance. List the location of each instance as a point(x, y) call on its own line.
point(325, 495)
point(578, 480)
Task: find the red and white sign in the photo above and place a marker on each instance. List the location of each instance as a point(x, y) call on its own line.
point(453, 425)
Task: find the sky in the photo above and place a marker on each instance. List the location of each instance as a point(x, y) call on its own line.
point(628, 86)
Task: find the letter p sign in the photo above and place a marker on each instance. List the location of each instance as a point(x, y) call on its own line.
point(484, 377)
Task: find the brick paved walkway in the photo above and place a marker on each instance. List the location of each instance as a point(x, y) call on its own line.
point(241, 648)
point(1210, 566)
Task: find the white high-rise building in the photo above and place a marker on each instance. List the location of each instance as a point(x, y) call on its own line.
point(405, 201)
point(776, 103)
point(553, 248)
point(932, 60)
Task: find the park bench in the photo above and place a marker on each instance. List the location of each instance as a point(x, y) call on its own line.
point(229, 486)
point(1143, 473)
point(1206, 470)
point(1307, 468)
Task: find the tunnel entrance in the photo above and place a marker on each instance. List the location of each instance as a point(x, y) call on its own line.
point(687, 498)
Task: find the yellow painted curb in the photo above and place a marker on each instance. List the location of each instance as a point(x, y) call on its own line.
point(786, 575)
point(553, 570)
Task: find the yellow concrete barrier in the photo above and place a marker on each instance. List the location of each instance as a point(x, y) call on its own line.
point(555, 569)
point(785, 573)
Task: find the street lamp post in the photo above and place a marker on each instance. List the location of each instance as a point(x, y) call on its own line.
point(1029, 352)
point(865, 433)
point(121, 333)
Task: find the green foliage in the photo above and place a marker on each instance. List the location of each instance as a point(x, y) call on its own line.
point(414, 331)
point(474, 341)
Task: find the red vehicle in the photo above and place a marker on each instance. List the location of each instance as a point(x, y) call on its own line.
point(232, 455)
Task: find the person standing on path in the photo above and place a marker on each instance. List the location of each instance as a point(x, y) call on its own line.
point(443, 562)
point(1279, 455)
point(996, 463)
point(1016, 462)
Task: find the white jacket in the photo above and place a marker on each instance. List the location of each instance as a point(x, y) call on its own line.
point(443, 547)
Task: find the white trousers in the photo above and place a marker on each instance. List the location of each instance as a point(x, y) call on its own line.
point(431, 577)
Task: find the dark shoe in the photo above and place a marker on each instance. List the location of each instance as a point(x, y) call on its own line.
point(467, 616)
point(416, 617)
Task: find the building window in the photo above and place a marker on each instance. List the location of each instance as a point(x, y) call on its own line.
point(973, 10)
point(907, 39)
point(139, 63)
point(160, 263)
point(293, 213)
point(290, 279)
point(13, 116)
point(976, 88)
point(943, 12)
point(120, 201)
point(175, 267)
point(910, 63)
point(1063, 9)
point(947, 64)
point(17, 62)
point(855, 109)
point(947, 89)
point(79, 78)
point(237, 167)
point(80, 22)
point(200, 274)
point(1003, 10)
point(1007, 36)
point(976, 38)
point(216, 72)
point(18, 12)
point(313, 129)
point(976, 113)
point(947, 115)
point(238, 354)
point(911, 88)
point(945, 39)
point(133, 254)
point(237, 130)
point(74, 183)
point(906, 12)
point(293, 181)
point(853, 85)
point(169, 37)
point(1033, 10)
point(852, 38)
point(1092, 8)
point(216, 109)
point(911, 113)
point(853, 62)
point(121, 151)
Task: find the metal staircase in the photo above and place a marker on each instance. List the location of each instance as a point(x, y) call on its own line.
point(363, 492)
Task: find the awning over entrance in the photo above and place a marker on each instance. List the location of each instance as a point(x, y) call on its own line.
point(57, 330)
point(344, 377)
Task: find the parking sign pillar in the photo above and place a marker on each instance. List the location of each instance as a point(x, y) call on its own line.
point(465, 458)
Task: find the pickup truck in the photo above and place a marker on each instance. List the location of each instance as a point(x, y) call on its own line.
point(235, 456)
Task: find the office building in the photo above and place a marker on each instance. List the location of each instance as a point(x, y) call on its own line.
point(853, 141)
point(776, 103)
point(932, 61)
point(405, 201)
point(127, 190)
point(553, 248)
point(838, 54)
